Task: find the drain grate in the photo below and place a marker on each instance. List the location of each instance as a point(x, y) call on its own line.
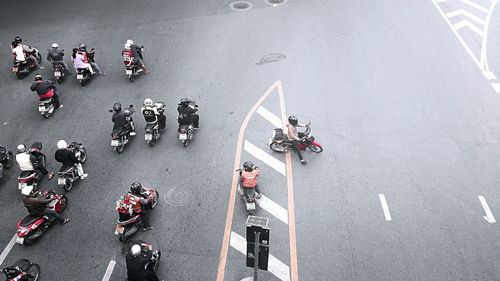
point(240, 6)
point(275, 2)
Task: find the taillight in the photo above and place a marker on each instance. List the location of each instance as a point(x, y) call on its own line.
point(26, 180)
point(21, 232)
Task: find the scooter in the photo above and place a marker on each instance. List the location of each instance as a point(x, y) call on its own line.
point(22, 270)
point(186, 131)
point(279, 141)
point(152, 130)
point(248, 195)
point(46, 107)
point(31, 228)
point(6, 159)
point(129, 223)
point(83, 76)
point(68, 175)
point(132, 69)
point(58, 72)
point(24, 68)
point(121, 136)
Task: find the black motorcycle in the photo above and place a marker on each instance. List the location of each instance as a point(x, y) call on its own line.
point(24, 68)
point(6, 159)
point(121, 136)
point(58, 72)
point(152, 129)
point(22, 270)
point(67, 175)
point(83, 76)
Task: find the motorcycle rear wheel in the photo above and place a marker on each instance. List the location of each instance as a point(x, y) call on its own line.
point(83, 154)
point(64, 203)
point(119, 148)
point(277, 147)
point(315, 149)
point(156, 202)
point(152, 142)
point(28, 241)
point(9, 161)
point(185, 143)
point(131, 78)
point(46, 115)
point(68, 185)
point(33, 272)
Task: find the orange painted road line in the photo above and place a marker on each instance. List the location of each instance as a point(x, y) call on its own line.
point(294, 273)
point(232, 195)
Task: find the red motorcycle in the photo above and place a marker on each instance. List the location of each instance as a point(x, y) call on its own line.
point(279, 141)
point(22, 270)
point(129, 222)
point(31, 228)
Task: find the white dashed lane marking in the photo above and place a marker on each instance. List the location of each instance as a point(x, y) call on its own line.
point(265, 157)
point(385, 207)
point(274, 209)
point(489, 215)
point(109, 270)
point(7, 249)
point(275, 266)
point(269, 116)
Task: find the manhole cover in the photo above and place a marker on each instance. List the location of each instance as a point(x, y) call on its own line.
point(177, 196)
point(273, 57)
point(276, 2)
point(240, 5)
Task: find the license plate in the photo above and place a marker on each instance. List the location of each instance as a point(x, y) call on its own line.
point(250, 206)
point(19, 240)
point(79, 76)
point(57, 74)
point(128, 71)
point(183, 137)
point(61, 181)
point(22, 185)
point(148, 136)
point(14, 69)
point(115, 143)
point(41, 109)
point(119, 229)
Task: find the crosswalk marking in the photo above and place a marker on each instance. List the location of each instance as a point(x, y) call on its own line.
point(385, 207)
point(474, 5)
point(269, 116)
point(274, 209)
point(275, 266)
point(265, 157)
point(465, 13)
point(466, 23)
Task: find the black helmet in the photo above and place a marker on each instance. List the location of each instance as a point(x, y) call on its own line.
point(38, 77)
point(136, 187)
point(18, 39)
point(293, 120)
point(185, 101)
point(82, 47)
point(117, 107)
point(248, 166)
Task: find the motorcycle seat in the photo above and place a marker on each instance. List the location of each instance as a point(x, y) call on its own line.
point(66, 169)
point(249, 192)
point(26, 174)
point(29, 219)
point(150, 125)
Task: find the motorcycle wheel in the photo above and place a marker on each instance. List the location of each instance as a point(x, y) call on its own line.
point(316, 149)
point(83, 154)
point(119, 149)
point(277, 147)
point(152, 142)
point(10, 160)
point(122, 238)
point(33, 272)
point(46, 115)
point(28, 241)
point(83, 82)
point(185, 143)
point(19, 75)
point(39, 58)
point(64, 203)
point(156, 202)
point(131, 78)
point(68, 185)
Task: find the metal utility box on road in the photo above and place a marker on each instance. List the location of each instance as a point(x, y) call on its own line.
point(257, 226)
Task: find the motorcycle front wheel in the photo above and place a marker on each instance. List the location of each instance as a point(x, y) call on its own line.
point(276, 147)
point(316, 149)
point(33, 272)
point(83, 154)
point(10, 160)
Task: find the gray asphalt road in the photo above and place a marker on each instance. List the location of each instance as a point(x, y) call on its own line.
point(395, 100)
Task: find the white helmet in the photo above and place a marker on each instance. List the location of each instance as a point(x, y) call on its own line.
point(55, 45)
point(135, 250)
point(148, 102)
point(130, 42)
point(61, 144)
point(26, 190)
point(21, 148)
point(127, 46)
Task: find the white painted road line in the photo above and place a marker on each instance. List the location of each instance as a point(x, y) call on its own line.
point(274, 209)
point(463, 12)
point(8, 248)
point(385, 207)
point(275, 266)
point(496, 86)
point(269, 116)
point(489, 215)
point(109, 270)
point(265, 157)
point(471, 26)
point(474, 5)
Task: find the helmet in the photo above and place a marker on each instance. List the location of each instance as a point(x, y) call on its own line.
point(136, 187)
point(21, 148)
point(61, 144)
point(248, 166)
point(148, 102)
point(55, 45)
point(185, 101)
point(127, 46)
point(82, 46)
point(130, 42)
point(293, 120)
point(26, 190)
point(18, 39)
point(117, 107)
point(38, 77)
point(135, 250)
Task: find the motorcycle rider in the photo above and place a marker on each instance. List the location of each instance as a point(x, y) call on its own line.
point(45, 90)
point(56, 56)
point(68, 159)
point(38, 205)
point(295, 136)
point(139, 262)
point(249, 176)
point(79, 61)
point(120, 118)
point(188, 108)
point(89, 57)
point(21, 54)
point(133, 55)
point(153, 114)
point(32, 159)
point(141, 204)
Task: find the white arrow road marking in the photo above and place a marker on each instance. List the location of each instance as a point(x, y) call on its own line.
point(496, 86)
point(385, 207)
point(474, 5)
point(8, 248)
point(275, 266)
point(273, 208)
point(109, 270)
point(489, 216)
point(489, 75)
point(466, 23)
point(463, 12)
point(269, 116)
point(265, 157)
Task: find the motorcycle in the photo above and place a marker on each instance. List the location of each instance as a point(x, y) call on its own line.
point(67, 175)
point(128, 222)
point(24, 68)
point(248, 195)
point(6, 159)
point(146, 248)
point(46, 107)
point(58, 72)
point(22, 270)
point(121, 136)
point(152, 130)
point(186, 131)
point(279, 141)
point(132, 69)
point(83, 76)
point(31, 228)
